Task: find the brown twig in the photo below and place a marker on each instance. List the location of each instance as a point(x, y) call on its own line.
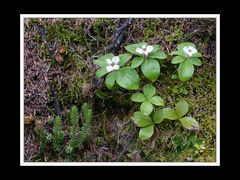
point(56, 100)
point(119, 34)
point(125, 148)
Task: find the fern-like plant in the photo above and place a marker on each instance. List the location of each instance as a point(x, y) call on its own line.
point(85, 129)
point(74, 118)
point(42, 139)
point(58, 134)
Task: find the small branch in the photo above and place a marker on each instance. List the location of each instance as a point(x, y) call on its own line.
point(125, 148)
point(56, 100)
point(119, 34)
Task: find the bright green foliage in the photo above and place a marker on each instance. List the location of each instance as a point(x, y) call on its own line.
point(150, 65)
point(58, 134)
point(146, 124)
point(146, 132)
point(181, 108)
point(125, 77)
point(74, 116)
point(74, 119)
point(85, 129)
point(128, 78)
point(147, 57)
point(78, 138)
point(187, 57)
point(151, 69)
point(148, 99)
point(189, 123)
point(171, 114)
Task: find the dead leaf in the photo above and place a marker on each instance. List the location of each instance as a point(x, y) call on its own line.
point(59, 58)
point(62, 50)
point(135, 156)
point(28, 120)
point(154, 138)
point(38, 125)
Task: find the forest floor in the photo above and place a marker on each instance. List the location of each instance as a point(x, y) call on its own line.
point(58, 57)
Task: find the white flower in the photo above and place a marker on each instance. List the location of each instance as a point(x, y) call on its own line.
point(112, 64)
point(144, 50)
point(189, 50)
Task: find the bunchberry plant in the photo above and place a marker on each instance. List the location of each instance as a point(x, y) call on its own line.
point(114, 66)
point(147, 99)
point(147, 123)
point(171, 114)
point(187, 56)
point(149, 58)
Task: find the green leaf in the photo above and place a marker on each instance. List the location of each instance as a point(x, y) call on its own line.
point(197, 54)
point(132, 48)
point(159, 116)
point(149, 90)
point(185, 71)
point(146, 107)
point(138, 97)
point(101, 72)
point(101, 61)
point(142, 120)
point(182, 45)
point(151, 69)
point(128, 78)
point(155, 47)
point(124, 58)
point(181, 108)
point(170, 113)
point(195, 61)
point(110, 79)
point(177, 53)
point(178, 59)
point(189, 123)
point(174, 76)
point(137, 61)
point(156, 100)
point(158, 55)
point(146, 132)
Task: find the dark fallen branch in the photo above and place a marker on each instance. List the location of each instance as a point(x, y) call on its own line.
point(56, 100)
point(125, 148)
point(122, 26)
point(49, 46)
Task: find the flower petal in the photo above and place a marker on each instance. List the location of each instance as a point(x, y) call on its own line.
point(149, 49)
point(139, 50)
point(109, 68)
point(116, 67)
point(185, 49)
point(115, 59)
point(109, 62)
point(193, 51)
point(189, 50)
point(145, 52)
point(143, 46)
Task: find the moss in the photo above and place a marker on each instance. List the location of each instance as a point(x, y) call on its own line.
point(61, 32)
point(99, 27)
point(176, 35)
